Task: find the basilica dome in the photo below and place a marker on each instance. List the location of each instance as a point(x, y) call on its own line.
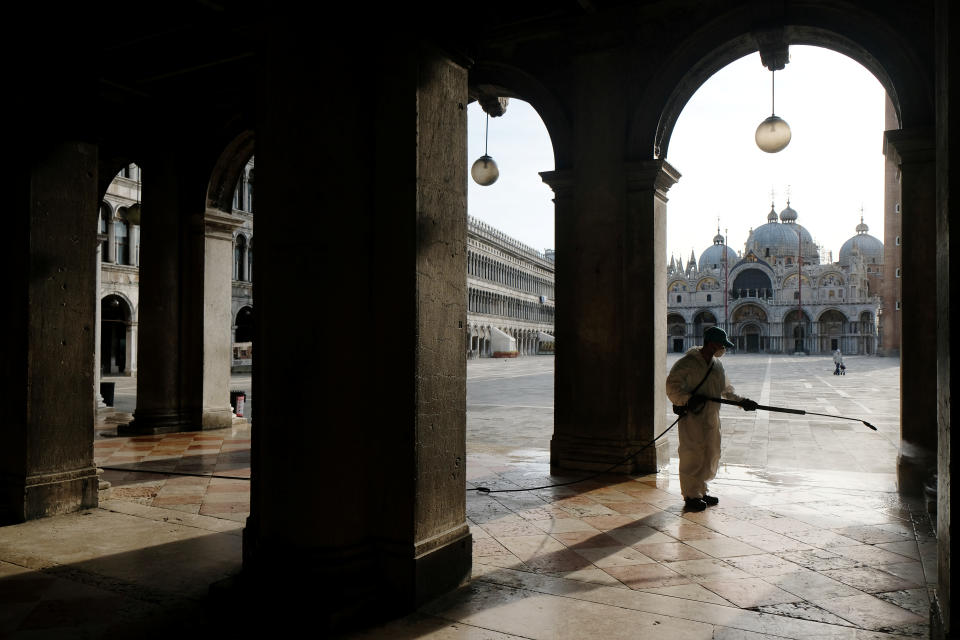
point(712, 258)
point(776, 239)
point(870, 248)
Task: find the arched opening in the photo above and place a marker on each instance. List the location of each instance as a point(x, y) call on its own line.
point(751, 283)
point(701, 322)
point(244, 326)
point(747, 328)
point(240, 257)
point(796, 332)
point(676, 333)
point(510, 267)
point(115, 322)
point(833, 333)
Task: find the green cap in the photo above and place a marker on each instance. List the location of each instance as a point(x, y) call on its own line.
point(716, 334)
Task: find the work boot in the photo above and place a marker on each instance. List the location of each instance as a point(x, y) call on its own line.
point(694, 504)
point(710, 500)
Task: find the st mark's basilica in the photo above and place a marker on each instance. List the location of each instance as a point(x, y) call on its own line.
point(780, 294)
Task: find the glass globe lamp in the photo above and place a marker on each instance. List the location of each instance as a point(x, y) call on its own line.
point(485, 171)
point(773, 134)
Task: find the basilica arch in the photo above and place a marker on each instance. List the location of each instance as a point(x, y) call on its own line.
point(749, 328)
point(677, 333)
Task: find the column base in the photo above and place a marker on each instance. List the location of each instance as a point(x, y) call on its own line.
point(595, 454)
point(914, 473)
point(154, 423)
point(47, 494)
point(219, 418)
point(350, 587)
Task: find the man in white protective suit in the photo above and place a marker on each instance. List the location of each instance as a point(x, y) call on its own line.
point(693, 378)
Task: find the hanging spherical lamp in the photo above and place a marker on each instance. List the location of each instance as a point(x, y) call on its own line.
point(773, 134)
point(484, 171)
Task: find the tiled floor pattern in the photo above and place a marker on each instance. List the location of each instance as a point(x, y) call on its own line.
point(143, 469)
point(824, 562)
point(786, 554)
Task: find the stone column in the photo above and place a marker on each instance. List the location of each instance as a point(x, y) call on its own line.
point(918, 343)
point(97, 398)
point(611, 331)
point(948, 296)
point(214, 411)
point(160, 345)
point(132, 347)
point(46, 355)
point(393, 428)
point(644, 293)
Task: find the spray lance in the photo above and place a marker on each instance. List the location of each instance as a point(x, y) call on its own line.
point(740, 403)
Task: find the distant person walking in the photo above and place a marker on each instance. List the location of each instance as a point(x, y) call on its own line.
point(693, 378)
point(839, 367)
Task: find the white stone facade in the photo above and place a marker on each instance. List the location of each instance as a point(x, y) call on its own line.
point(119, 256)
point(771, 300)
point(510, 291)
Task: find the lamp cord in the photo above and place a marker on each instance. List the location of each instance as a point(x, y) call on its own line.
point(486, 138)
point(773, 110)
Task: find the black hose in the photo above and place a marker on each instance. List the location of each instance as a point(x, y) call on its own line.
point(565, 484)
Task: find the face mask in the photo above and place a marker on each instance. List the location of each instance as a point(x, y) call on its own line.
point(719, 352)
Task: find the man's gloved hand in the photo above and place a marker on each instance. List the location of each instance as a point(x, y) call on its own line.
point(695, 403)
point(748, 404)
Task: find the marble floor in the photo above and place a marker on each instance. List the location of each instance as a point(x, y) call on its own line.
point(810, 539)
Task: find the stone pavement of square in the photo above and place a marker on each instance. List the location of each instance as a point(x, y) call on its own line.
point(810, 539)
point(201, 473)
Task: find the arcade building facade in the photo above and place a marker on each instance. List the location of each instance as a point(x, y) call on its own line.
point(779, 295)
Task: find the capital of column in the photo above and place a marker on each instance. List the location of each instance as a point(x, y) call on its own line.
point(560, 180)
point(220, 225)
point(916, 145)
point(652, 175)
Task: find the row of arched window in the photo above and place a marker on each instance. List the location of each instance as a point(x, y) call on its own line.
point(507, 306)
point(489, 269)
point(243, 194)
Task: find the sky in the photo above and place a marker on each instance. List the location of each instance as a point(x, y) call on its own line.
point(832, 167)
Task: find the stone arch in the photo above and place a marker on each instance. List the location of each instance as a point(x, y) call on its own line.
point(708, 283)
point(509, 81)
point(752, 282)
point(227, 170)
point(243, 323)
point(796, 331)
point(751, 337)
point(748, 312)
point(116, 337)
point(733, 35)
point(676, 333)
point(832, 327)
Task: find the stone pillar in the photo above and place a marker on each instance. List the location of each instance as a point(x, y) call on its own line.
point(393, 428)
point(892, 232)
point(611, 322)
point(644, 292)
point(918, 343)
point(214, 410)
point(132, 347)
point(161, 345)
point(46, 362)
point(97, 398)
point(948, 295)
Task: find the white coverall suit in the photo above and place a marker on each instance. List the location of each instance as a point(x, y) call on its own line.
point(699, 432)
